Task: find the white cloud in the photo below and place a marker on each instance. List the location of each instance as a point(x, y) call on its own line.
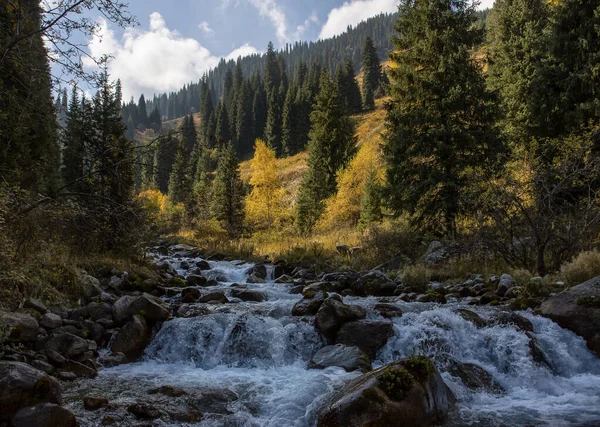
point(205, 27)
point(354, 12)
point(272, 10)
point(245, 50)
point(485, 4)
point(154, 61)
point(301, 29)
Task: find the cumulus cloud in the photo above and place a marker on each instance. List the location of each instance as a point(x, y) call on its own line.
point(301, 29)
point(245, 50)
point(353, 12)
point(272, 10)
point(205, 27)
point(154, 61)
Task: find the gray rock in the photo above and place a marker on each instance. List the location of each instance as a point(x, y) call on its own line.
point(333, 314)
point(20, 327)
point(50, 321)
point(22, 385)
point(308, 306)
point(40, 365)
point(375, 399)
point(349, 358)
point(436, 253)
point(144, 411)
point(35, 305)
point(248, 295)
point(195, 280)
point(374, 282)
point(133, 338)
point(190, 295)
point(93, 403)
point(90, 286)
point(472, 317)
point(475, 377)
point(93, 311)
point(214, 296)
point(44, 415)
point(66, 376)
point(368, 335)
point(68, 345)
point(79, 369)
point(203, 265)
point(113, 359)
point(509, 318)
point(389, 311)
point(127, 306)
point(506, 282)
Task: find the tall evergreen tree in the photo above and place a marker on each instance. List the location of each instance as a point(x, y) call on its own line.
point(273, 131)
point(142, 113)
point(179, 179)
point(332, 144)
point(371, 73)
point(227, 203)
point(73, 142)
point(439, 121)
point(370, 204)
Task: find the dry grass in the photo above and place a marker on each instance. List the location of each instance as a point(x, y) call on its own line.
point(584, 267)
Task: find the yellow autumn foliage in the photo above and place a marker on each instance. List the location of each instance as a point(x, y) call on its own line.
point(265, 203)
point(154, 201)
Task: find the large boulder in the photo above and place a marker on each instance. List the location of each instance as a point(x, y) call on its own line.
point(20, 327)
point(93, 311)
point(578, 309)
point(90, 287)
point(68, 345)
point(127, 306)
point(505, 284)
point(368, 335)
point(133, 338)
point(374, 282)
point(333, 314)
point(51, 321)
point(349, 358)
point(44, 415)
point(409, 392)
point(22, 385)
point(309, 306)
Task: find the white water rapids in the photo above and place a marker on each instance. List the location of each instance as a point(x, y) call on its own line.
point(260, 352)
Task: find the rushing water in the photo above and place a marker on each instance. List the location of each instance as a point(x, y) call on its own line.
point(260, 352)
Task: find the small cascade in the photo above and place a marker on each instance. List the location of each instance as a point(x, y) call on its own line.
point(260, 352)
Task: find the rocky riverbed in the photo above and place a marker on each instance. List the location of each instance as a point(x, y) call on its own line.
point(220, 342)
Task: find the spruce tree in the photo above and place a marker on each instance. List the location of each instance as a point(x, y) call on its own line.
point(272, 71)
point(227, 203)
point(332, 144)
point(244, 120)
point(371, 74)
point(178, 181)
point(273, 130)
point(439, 121)
point(370, 205)
point(222, 134)
point(353, 96)
point(73, 143)
point(142, 114)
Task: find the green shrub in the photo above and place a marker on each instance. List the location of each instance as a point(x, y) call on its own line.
point(584, 267)
point(417, 276)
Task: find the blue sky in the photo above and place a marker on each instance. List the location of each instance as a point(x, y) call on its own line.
point(177, 41)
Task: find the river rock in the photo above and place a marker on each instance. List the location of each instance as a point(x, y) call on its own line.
point(475, 377)
point(92, 403)
point(309, 306)
point(195, 280)
point(506, 282)
point(144, 411)
point(217, 296)
point(40, 365)
point(79, 369)
point(133, 338)
point(168, 390)
point(255, 278)
point(21, 327)
point(368, 335)
point(35, 305)
point(191, 295)
point(509, 318)
point(113, 359)
point(44, 415)
point(50, 321)
point(213, 401)
point(68, 345)
point(93, 311)
point(578, 309)
point(333, 314)
point(374, 282)
point(127, 306)
point(436, 253)
point(349, 358)
point(395, 394)
point(389, 311)
point(90, 287)
point(315, 287)
point(472, 317)
point(22, 385)
point(203, 265)
point(248, 295)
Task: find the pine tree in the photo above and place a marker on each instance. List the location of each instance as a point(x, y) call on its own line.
point(353, 96)
point(273, 131)
point(244, 120)
point(73, 143)
point(272, 72)
point(227, 203)
point(264, 204)
point(371, 74)
point(332, 144)
point(370, 206)
point(178, 181)
point(222, 134)
point(142, 114)
point(439, 121)
point(189, 133)
point(206, 110)
point(289, 127)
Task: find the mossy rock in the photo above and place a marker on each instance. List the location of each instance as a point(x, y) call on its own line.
point(177, 282)
point(590, 301)
point(396, 383)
